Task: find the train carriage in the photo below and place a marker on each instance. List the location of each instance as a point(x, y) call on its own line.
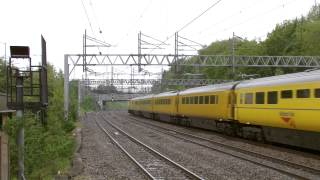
point(165, 105)
point(286, 107)
point(210, 102)
point(283, 109)
point(141, 105)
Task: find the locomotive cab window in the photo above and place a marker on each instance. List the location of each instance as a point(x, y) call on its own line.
point(317, 93)
point(303, 93)
point(248, 98)
point(273, 97)
point(286, 94)
point(259, 97)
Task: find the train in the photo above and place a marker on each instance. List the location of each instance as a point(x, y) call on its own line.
point(283, 109)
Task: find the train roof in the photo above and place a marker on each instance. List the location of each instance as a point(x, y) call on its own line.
point(166, 94)
point(209, 88)
point(142, 97)
point(282, 79)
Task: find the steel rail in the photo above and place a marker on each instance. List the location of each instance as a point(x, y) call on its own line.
point(247, 152)
point(190, 173)
point(126, 152)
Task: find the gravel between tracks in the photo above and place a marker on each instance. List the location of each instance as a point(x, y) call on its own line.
point(158, 167)
point(205, 162)
point(101, 158)
point(298, 157)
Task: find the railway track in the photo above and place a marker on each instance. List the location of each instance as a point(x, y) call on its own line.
point(151, 162)
point(291, 169)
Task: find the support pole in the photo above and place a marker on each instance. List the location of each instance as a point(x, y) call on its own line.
point(79, 98)
point(85, 55)
point(139, 51)
point(176, 50)
point(233, 55)
point(20, 137)
point(66, 87)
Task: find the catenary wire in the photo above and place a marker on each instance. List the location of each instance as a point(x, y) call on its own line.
point(193, 20)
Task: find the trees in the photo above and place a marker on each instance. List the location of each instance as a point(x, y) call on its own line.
point(2, 76)
point(47, 149)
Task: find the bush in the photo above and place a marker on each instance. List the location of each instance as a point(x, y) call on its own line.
point(47, 149)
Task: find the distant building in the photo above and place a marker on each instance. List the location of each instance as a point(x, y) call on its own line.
point(5, 115)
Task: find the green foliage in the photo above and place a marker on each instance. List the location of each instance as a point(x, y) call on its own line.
point(88, 104)
point(47, 149)
point(2, 76)
point(314, 13)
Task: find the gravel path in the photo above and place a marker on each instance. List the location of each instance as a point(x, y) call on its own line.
point(101, 158)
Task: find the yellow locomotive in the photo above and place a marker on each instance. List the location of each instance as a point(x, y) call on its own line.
point(283, 109)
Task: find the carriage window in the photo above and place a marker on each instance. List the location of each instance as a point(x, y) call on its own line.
point(192, 100)
point(317, 93)
point(241, 98)
point(212, 99)
point(259, 97)
point(273, 97)
point(206, 99)
point(187, 100)
point(303, 93)
point(183, 100)
point(200, 99)
point(248, 98)
point(286, 94)
point(196, 99)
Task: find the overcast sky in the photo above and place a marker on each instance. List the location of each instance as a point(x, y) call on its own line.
point(62, 22)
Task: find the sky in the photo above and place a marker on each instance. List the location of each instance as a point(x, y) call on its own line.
point(118, 22)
